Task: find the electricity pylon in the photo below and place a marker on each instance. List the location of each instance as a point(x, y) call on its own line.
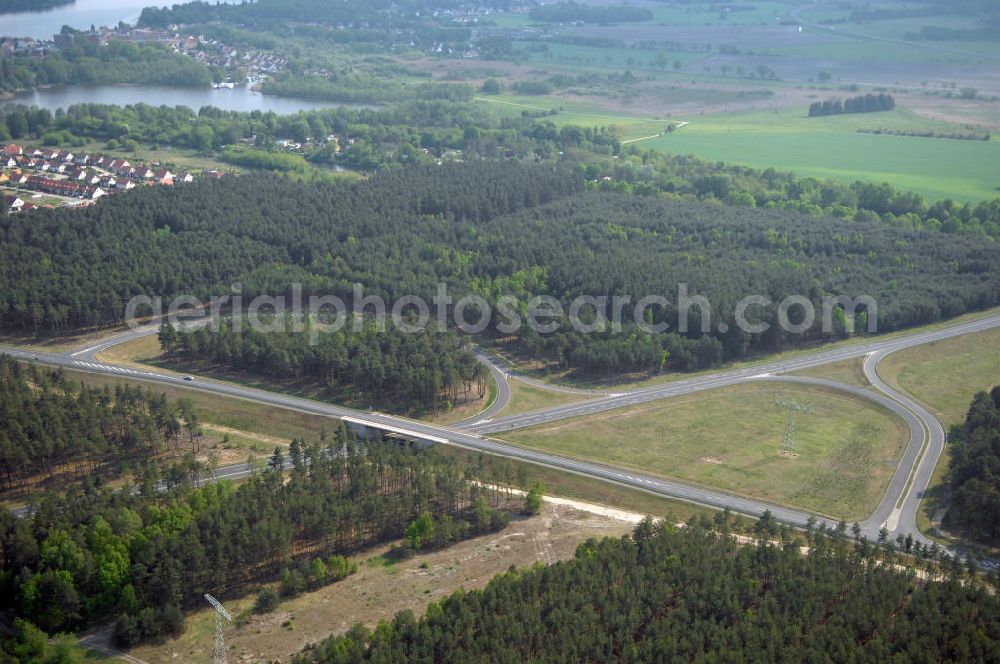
point(220, 643)
point(788, 442)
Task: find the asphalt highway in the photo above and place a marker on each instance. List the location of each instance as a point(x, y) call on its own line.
point(721, 379)
point(896, 510)
point(503, 394)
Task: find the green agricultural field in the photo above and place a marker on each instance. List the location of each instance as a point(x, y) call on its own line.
point(596, 57)
point(510, 21)
point(894, 28)
point(910, 53)
point(756, 13)
point(708, 14)
point(830, 147)
point(573, 113)
point(787, 139)
point(846, 449)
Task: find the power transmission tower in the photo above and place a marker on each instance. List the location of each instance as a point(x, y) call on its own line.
point(788, 442)
point(220, 643)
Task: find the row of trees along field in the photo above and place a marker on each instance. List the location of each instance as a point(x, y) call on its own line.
point(413, 371)
point(867, 103)
point(694, 594)
point(146, 555)
point(377, 140)
point(494, 229)
point(974, 470)
point(569, 12)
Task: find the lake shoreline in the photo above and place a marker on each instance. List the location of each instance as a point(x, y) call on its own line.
point(243, 98)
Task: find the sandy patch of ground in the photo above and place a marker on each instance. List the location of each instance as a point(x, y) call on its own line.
point(222, 431)
point(378, 591)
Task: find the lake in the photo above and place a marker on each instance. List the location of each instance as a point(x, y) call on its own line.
point(80, 15)
point(238, 99)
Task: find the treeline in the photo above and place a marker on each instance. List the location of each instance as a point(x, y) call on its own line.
point(867, 15)
point(494, 229)
point(974, 470)
point(651, 173)
point(362, 90)
point(262, 13)
point(86, 63)
point(23, 643)
point(354, 25)
point(693, 594)
point(418, 132)
point(50, 427)
point(12, 6)
point(369, 139)
point(636, 246)
point(867, 103)
point(146, 556)
point(568, 12)
point(985, 136)
point(938, 33)
point(424, 371)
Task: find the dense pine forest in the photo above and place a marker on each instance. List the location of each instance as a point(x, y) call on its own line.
point(418, 132)
point(145, 553)
point(52, 429)
point(492, 229)
point(396, 234)
point(693, 594)
point(424, 371)
point(974, 469)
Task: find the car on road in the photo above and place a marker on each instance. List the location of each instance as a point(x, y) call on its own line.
point(188, 377)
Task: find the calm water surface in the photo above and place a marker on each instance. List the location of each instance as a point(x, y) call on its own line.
point(80, 15)
point(238, 99)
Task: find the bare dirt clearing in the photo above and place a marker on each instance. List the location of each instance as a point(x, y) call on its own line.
point(380, 590)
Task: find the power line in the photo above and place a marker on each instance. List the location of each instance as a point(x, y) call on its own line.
point(220, 643)
point(788, 441)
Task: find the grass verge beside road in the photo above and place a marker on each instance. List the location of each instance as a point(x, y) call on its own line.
point(145, 352)
point(259, 423)
point(260, 420)
point(944, 376)
point(525, 398)
point(849, 372)
point(845, 449)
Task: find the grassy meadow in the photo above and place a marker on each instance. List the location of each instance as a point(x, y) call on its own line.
point(846, 449)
